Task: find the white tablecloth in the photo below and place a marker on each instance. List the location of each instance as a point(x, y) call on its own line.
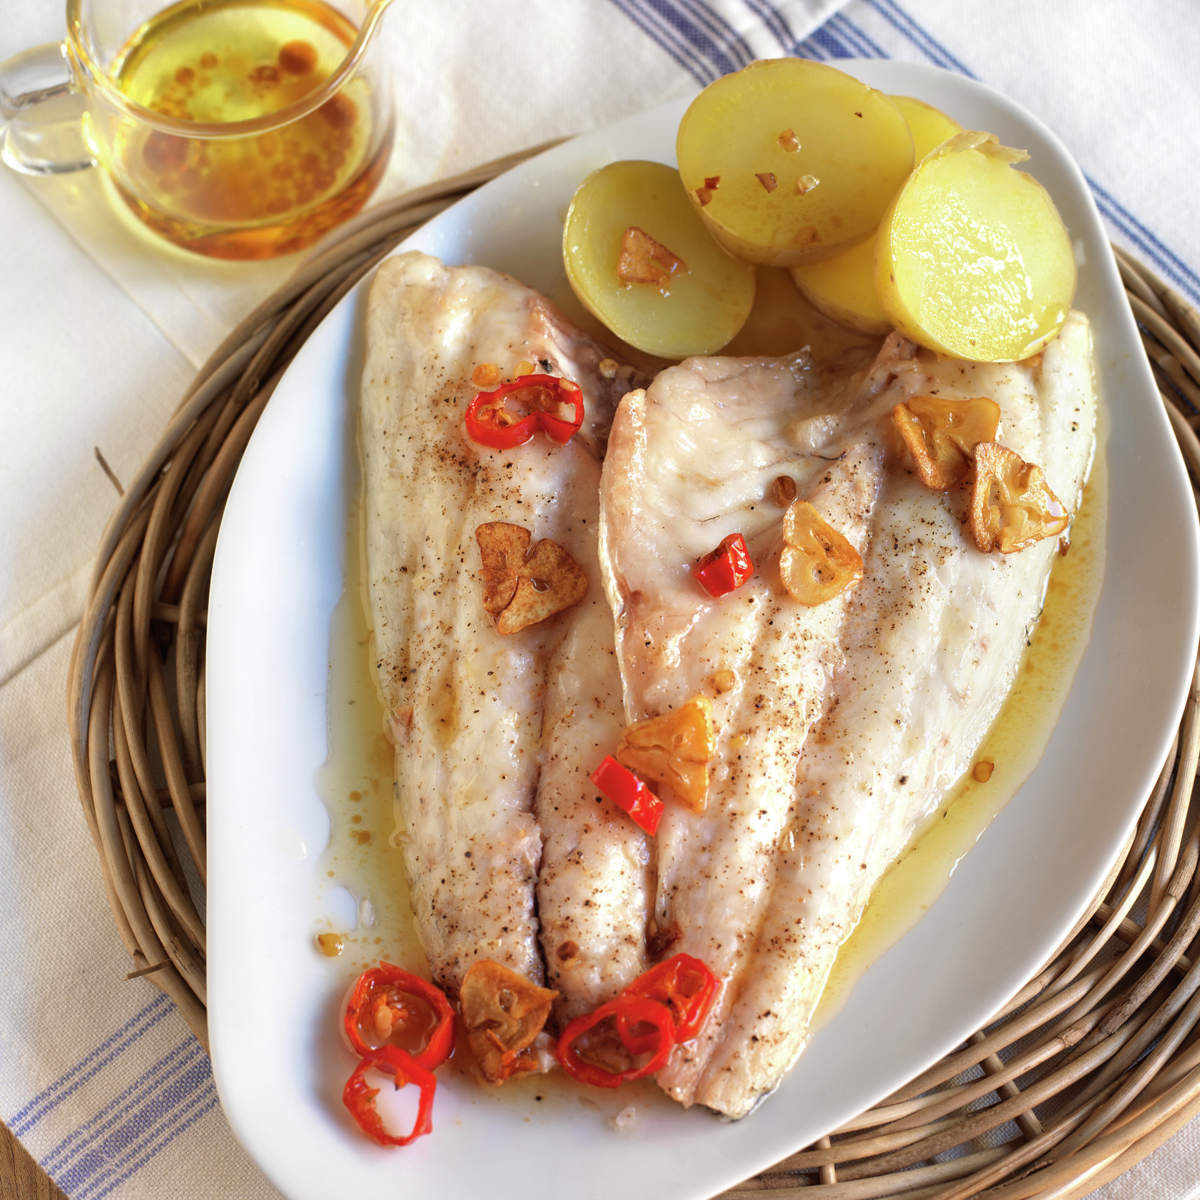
point(102, 330)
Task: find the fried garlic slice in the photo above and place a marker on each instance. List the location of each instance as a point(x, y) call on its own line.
point(674, 748)
point(941, 435)
point(502, 1014)
point(521, 586)
point(503, 548)
point(1012, 505)
point(644, 260)
point(817, 562)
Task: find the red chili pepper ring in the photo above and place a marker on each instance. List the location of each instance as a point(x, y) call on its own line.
point(359, 1097)
point(627, 1013)
point(551, 404)
point(685, 985)
point(390, 1006)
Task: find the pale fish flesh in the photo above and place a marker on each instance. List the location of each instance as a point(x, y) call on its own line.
point(488, 729)
point(846, 728)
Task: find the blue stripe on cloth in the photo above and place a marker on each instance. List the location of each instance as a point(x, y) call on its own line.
point(116, 1043)
point(60, 1156)
point(920, 37)
point(184, 1124)
point(776, 23)
point(854, 35)
point(161, 1108)
point(181, 1117)
point(709, 31)
point(649, 22)
point(838, 37)
point(810, 48)
point(1171, 265)
point(830, 44)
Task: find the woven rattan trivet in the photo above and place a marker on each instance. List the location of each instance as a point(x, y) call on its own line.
point(1091, 1066)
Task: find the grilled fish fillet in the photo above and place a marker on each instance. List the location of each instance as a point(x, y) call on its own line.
point(487, 728)
point(692, 459)
point(847, 727)
point(593, 888)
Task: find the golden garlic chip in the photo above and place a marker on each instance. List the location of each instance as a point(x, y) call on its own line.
point(644, 260)
point(522, 587)
point(1012, 505)
point(502, 1014)
point(941, 435)
point(674, 748)
point(817, 562)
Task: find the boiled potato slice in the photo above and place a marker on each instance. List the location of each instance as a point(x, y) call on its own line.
point(929, 126)
point(788, 160)
point(972, 259)
point(639, 258)
point(843, 287)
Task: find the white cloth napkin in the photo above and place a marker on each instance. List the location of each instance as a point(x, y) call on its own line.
point(102, 330)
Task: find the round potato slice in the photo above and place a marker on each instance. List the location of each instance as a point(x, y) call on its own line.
point(640, 259)
point(972, 259)
point(788, 160)
point(929, 126)
point(843, 287)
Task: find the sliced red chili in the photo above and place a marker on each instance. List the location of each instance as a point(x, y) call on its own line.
point(562, 421)
point(551, 404)
point(359, 1097)
point(685, 985)
point(588, 1059)
point(629, 793)
point(493, 425)
point(389, 1006)
point(725, 568)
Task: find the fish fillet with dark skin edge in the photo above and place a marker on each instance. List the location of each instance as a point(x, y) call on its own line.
point(493, 734)
point(824, 771)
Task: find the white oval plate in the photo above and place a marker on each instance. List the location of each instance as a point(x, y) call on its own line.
point(278, 574)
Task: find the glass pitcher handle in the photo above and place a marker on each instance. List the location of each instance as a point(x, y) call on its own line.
point(41, 114)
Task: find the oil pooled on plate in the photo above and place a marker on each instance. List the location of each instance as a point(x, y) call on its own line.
point(363, 859)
